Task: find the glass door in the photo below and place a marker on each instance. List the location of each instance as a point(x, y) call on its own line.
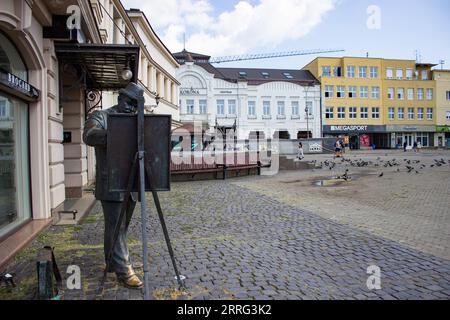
point(14, 164)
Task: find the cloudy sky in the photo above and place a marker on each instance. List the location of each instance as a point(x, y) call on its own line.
point(381, 28)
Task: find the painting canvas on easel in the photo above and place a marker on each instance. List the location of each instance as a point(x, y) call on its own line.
point(122, 148)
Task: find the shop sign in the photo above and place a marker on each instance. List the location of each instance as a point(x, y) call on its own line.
point(315, 147)
point(442, 129)
point(353, 128)
point(17, 84)
point(189, 92)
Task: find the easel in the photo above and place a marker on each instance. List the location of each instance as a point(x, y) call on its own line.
point(145, 174)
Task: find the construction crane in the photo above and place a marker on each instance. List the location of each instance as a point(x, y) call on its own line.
point(271, 55)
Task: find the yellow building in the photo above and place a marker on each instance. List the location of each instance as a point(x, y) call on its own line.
point(442, 79)
point(384, 102)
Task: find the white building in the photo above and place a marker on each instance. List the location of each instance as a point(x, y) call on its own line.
point(261, 102)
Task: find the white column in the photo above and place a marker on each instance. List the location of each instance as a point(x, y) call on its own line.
point(151, 81)
point(161, 85)
point(154, 79)
point(167, 89)
point(118, 37)
point(144, 67)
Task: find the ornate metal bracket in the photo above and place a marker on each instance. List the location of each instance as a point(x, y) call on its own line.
point(93, 101)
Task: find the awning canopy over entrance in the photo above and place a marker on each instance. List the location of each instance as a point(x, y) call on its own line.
point(102, 63)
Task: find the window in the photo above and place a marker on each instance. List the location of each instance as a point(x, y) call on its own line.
point(364, 92)
point(340, 91)
point(424, 75)
point(429, 113)
point(295, 108)
point(447, 95)
point(329, 114)
point(374, 72)
point(401, 113)
point(326, 71)
point(363, 72)
point(391, 113)
point(265, 75)
point(3, 109)
point(420, 94)
point(189, 106)
point(202, 106)
point(410, 113)
point(337, 71)
point(351, 91)
point(251, 108)
point(220, 107)
point(409, 74)
point(448, 115)
point(429, 94)
point(391, 93)
point(420, 113)
point(410, 94)
point(422, 137)
point(287, 75)
point(242, 74)
point(352, 112)
point(400, 93)
point(364, 112)
point(341, 113)
point(390, 73)
point(15, 205)
point(280, 108)
point(351, 70)
point(399, 74)
point(266, 108)
point(231, 106)
point(329, 91)
point(375, 92)
point(375, 113)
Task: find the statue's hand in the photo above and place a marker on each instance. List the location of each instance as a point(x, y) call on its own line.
point(95, 137)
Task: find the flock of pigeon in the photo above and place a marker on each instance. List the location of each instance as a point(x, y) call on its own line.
point(408, 164)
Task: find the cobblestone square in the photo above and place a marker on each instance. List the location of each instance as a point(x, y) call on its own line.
point(280, 237)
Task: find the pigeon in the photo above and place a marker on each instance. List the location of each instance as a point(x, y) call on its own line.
point(380, 175)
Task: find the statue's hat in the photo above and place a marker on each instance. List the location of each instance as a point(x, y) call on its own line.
point(133, 91)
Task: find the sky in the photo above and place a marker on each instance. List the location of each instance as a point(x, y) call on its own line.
point(396, 29)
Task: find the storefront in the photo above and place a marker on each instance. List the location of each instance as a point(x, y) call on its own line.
point(15, 95)
point(423, 135)
point(359, 136)
point(443, 136)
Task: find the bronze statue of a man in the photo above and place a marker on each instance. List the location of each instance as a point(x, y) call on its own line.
point(95, 135)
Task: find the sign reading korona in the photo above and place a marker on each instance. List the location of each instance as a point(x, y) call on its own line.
point(122, 148)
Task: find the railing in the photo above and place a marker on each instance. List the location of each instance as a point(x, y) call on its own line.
point(197, 161)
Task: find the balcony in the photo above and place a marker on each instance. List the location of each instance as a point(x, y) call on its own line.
point(281, 117)
point(295, 117)
point(267, 117)
point(251, 117)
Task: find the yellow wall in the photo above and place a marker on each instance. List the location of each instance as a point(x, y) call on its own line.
point(442, 79)
point(315, 67)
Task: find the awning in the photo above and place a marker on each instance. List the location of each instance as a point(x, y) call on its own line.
point(103, 63)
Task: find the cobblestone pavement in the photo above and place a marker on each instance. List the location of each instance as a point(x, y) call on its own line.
point(267, 238)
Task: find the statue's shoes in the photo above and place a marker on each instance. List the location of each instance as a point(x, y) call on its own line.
point(130, 281)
